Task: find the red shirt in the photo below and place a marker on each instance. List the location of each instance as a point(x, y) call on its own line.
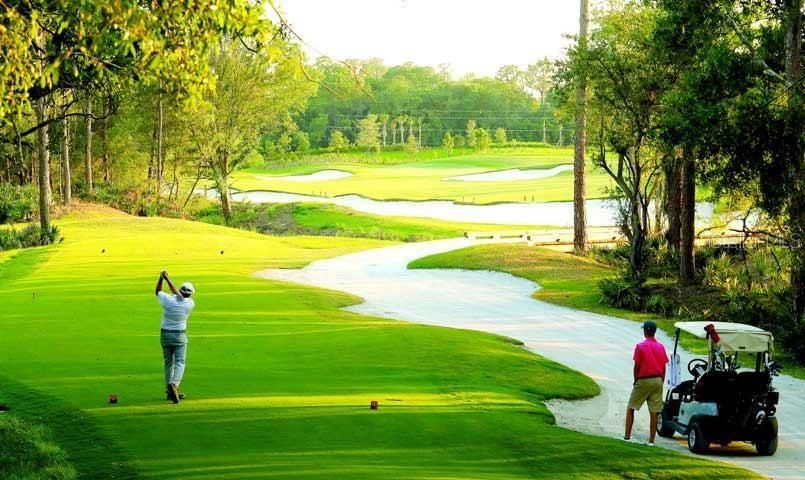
point(650, 358)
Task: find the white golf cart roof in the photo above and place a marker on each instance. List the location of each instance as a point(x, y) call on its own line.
point(735, 337)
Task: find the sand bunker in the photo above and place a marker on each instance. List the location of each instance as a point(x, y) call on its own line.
point(513, 174)
point(320, 176)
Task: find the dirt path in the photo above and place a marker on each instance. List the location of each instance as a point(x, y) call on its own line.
point(596, 345)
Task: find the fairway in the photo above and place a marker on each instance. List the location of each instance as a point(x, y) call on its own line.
point(279, 379)
point(427, 179)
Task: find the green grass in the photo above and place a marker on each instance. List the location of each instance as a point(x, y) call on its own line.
point(279, 378)
point(566, 280)
point(28, 453)
point(423, 179)
point(334, 220)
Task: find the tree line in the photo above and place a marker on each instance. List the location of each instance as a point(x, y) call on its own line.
point(684, 92)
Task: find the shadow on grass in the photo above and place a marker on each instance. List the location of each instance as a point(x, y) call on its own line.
point(90, 451)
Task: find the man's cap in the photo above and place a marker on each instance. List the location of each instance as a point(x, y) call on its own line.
point(649, 326)
point(187, 288)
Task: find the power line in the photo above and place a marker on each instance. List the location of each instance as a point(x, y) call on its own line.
point(522, 118)
point(452, 130)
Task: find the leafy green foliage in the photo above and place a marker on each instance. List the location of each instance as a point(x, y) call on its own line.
point(17, 203)
point(338, 142)
point(369, 134)
point(29, 236)
point(86, 44)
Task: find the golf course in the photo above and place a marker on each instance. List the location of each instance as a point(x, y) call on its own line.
point(411, 178)
point(280, 378)
point(402, 240)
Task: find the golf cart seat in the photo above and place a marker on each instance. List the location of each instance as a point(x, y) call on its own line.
point(714, 386)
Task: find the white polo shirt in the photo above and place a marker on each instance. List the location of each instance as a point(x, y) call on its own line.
point(175, 310)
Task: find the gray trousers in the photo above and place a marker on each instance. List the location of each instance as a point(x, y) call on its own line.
point(174, 355)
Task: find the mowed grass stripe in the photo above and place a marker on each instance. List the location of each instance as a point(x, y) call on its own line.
point(280, 399)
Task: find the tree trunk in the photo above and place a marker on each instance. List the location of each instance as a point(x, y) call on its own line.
point(672, 200)
point(402, 133)
point(687, 259)
point(226, 206)
point(544, 131)
point(385, 133)
point(420, 134)
point(795, 127)
point(88, 155)
point(67, 188)
point(44, 170)
point(638, 240)
point(107, 177)
point(579, 145)
point(561, 140)
point(160, 160)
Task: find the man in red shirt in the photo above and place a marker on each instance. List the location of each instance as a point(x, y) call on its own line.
point(649, 374)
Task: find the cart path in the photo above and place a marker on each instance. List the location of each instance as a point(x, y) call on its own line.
point(597, 345)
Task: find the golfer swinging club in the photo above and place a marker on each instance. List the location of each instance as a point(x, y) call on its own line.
point(649, 374)
point(175, 310)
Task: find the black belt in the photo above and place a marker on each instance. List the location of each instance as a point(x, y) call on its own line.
point(650, 376)
point(174, 331)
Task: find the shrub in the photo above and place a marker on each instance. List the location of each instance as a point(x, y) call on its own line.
point(8, 239)
point(17, 203)
point(659, 304)
point(30, 236)
point(33, 236)
point(622, 292)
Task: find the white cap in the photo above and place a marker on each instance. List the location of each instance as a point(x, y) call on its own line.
point(187, 288)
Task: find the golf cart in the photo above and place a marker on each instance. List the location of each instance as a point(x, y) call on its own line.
point(725, 401)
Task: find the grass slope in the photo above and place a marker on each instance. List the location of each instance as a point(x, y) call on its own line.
point(334, 220)
point(424, 179)
point(279, 378)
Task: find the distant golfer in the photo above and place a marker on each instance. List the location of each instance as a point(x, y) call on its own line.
point(175, 310)
point(649, 374)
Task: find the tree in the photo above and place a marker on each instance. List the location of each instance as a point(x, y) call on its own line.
point(50, 48)
point(338, 142)
point(626, 82)
point(66, 180)
point(253, 92)
point(508, 74)
point(384, 121)
point(88, 148)
point(747, 85)
point(500, 136)
point(471, 126)
point(301, 142)
point(447, 142)
point(482, 139)
point(368, 133)
point(539, 77)
point(580, 143)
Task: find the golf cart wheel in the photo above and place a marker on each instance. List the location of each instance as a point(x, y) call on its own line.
point(664, 429)
point(697, 440)
point(767, 445)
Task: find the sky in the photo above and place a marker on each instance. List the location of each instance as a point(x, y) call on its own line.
point(472, 36)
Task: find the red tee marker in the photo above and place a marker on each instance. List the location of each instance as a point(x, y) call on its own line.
point(373, 405)
point(113, 399)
